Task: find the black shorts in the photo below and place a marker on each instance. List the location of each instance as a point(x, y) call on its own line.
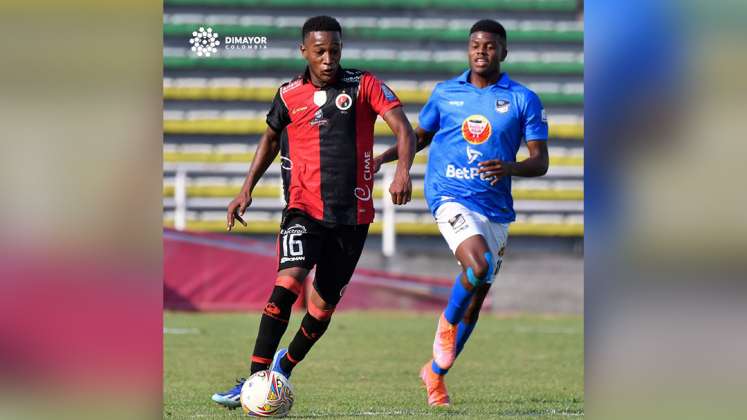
point(333, 249)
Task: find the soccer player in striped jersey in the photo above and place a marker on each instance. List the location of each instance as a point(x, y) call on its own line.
point(322, 123)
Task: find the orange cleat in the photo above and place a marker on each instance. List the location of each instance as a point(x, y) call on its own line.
point(444, 346)
point(435, 386)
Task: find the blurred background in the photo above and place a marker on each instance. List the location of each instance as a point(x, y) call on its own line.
point(214, 114)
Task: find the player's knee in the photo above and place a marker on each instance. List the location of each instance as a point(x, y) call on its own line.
point(320, 311)
point(480, 269)
point(289, 283)
point(322, 301)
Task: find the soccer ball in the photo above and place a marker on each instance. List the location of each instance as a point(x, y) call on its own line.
point(267, 394)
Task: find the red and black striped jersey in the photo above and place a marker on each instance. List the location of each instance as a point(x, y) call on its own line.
point(327, 146)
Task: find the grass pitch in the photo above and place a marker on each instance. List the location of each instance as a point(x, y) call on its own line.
point(367, 364)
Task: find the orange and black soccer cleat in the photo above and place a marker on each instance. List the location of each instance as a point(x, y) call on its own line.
point(435, 386)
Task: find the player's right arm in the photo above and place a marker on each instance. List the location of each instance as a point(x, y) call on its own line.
point(267, 150)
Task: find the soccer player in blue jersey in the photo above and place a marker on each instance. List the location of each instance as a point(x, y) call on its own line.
point(475, 124)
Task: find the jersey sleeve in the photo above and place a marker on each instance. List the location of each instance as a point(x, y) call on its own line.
point(534, 119)
point(429, 118)
point(278, 117)
point(378, 95)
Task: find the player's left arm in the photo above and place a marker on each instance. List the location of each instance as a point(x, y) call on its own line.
point(429, 120)
point(534, 130)
point(424, 138)
point(401, 188)
point(535, 165)
point(385, 103)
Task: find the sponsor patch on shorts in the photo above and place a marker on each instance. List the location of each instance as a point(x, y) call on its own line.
point(458, 223)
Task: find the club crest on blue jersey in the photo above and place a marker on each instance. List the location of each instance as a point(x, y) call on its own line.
point(476, 129)
point(501, 105)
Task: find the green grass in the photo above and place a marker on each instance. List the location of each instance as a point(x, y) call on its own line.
point(366, 365)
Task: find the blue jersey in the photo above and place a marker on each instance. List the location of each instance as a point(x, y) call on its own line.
point(473, 125)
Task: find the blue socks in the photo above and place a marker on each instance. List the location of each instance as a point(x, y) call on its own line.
point(463, 332)
point(458, 302)
point(437, 370)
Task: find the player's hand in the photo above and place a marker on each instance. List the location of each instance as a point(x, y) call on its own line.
point(378, 161)
point(401, 188)
point(236, 209)
point(493, 170)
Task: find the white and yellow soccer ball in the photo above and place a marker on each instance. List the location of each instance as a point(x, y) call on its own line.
point(267, 394)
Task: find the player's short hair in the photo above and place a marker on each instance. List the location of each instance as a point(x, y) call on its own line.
point(491, 26)
point(320, 23)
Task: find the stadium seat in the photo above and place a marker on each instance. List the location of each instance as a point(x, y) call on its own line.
point(370, 28)
point(403, 62)
point(222, 122)
point(215, 108)
point(498, 5)
point(236, 89)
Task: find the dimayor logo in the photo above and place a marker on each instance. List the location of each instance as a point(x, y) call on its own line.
point(204, 42)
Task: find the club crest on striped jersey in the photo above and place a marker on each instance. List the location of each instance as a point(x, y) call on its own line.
point(476, 129)
point(343, 101)
point(320, 97)
point(501, 105)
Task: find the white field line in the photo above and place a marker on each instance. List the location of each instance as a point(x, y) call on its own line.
point(180, 330)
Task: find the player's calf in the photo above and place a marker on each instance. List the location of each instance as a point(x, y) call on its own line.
point(468, 323)
point(313, 326)
point(475, 305)
point(274, 321)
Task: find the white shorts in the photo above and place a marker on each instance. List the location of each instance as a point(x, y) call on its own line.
point(458, 223)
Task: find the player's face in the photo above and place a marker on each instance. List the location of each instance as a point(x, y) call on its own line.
point(322, 50)
point(485, 52)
